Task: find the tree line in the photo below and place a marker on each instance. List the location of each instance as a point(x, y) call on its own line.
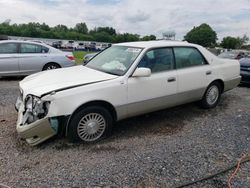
point(203, 35)
point(79, 32)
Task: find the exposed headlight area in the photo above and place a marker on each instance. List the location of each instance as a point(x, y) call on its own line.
point(35, 109)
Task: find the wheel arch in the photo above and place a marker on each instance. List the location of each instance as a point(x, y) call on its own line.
point(203, 102)
point(100, 103)
point(52, 62)
point(220, 81)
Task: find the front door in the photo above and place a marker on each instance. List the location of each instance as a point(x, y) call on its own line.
point(8, 59)
point(146, 94)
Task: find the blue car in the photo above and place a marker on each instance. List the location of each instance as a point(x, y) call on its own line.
point(245, 70)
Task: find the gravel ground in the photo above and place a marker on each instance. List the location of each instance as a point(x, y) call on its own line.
point(161, 149)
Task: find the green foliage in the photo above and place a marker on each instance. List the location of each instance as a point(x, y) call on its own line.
point(79, 56)
point(203, 35)
point(126, 37)
point(102, 37)
point(79, 32)
point(234, 42)
point(148, 38)
point(81, 28)
point(243, 40)
point(230, 42)
point(246, 47)
point(44, 27)
point(108, 30)
point(60, 28)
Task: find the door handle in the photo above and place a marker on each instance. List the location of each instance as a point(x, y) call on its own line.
point(171, 79)
point(208, 72)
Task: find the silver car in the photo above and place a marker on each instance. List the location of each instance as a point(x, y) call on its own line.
point(19, 58)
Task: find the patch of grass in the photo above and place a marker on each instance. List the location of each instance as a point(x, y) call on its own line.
point(79, 56)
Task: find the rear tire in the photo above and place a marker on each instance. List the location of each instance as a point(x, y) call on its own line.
point(90, 124)
point(51, 66)
point(212, 96)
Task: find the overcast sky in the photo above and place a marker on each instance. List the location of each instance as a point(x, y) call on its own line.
point(144, 17)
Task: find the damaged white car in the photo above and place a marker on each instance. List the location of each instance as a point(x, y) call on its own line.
point(125, 80)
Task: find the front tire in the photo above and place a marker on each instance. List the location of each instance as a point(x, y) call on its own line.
point(90, 124)
point(212, 96)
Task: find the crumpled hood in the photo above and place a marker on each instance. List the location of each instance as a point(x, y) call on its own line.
point(47, 81)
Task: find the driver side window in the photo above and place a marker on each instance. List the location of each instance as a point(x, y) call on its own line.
point(158, 60)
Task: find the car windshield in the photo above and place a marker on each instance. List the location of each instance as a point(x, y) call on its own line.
point(115, 60)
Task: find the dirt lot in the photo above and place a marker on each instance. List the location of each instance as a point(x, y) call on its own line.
point(161, 149)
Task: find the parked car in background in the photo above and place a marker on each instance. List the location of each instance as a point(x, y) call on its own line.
point(24, 58)
point(68, 44)
point(233, 55)
point(90, 46)
point(245, 70)
point(80, 46)
point(4, 37)
point(100, 47)
point(125, 80)
point(57, 44)
point(88, 57)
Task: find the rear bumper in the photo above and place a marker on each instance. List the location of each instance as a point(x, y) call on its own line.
point(230, 84)
point(68, 64)
point(245, 77)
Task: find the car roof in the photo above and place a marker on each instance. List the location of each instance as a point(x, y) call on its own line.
point(22, 41)
point(27, 41)
point(155, 44)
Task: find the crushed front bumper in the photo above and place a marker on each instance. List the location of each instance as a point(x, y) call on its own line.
point(36, 132)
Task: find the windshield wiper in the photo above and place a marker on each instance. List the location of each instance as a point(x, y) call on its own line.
point(101, 70)
point(109, 72)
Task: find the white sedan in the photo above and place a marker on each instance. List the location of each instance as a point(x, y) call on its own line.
point(125, 80)
point(21, 58)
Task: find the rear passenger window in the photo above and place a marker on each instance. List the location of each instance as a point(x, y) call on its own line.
point(33, 48)
point(8, 48)
point(45, 49)
point(158, 60)
point(188, 57)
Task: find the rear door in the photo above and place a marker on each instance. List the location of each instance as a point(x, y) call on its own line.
point(192, 73)
point(9, 58)
point(32, 58)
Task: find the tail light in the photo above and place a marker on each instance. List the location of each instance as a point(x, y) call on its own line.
point(70, 57)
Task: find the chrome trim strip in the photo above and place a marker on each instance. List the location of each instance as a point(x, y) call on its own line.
point(12, 57)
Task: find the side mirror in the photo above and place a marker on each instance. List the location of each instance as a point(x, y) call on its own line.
point(142, 72)
point(84, 62)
